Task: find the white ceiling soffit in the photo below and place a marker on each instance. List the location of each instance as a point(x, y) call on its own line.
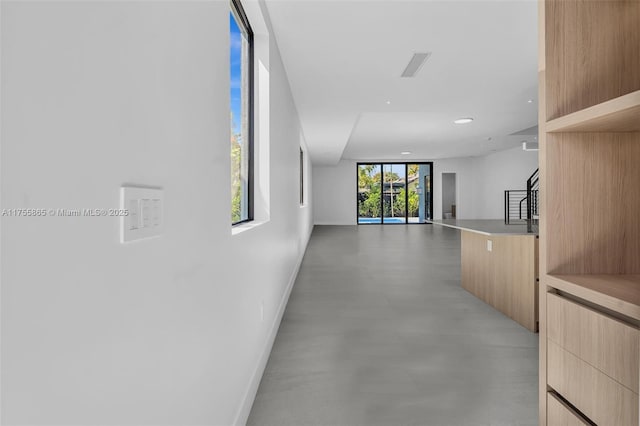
point(344, 61)
point(531, 131)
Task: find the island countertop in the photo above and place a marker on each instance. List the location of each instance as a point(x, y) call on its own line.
point(487, 226)
point(499, 265)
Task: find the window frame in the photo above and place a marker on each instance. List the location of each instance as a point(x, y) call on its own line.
point(406, 197)
point(235, 7)
point(302, 192)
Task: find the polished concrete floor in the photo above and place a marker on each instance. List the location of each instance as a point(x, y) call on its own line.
point(378, 331)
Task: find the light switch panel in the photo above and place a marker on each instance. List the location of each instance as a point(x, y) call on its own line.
point(489, 245)
point(145, 213)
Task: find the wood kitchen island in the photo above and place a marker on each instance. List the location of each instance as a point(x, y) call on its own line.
point(500, 266)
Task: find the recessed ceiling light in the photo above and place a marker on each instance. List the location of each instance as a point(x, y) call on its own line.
point(405, 153)
point(388, 102)
point(530, 101)
point(463, 120)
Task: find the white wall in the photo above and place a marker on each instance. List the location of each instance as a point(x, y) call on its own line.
point(163, 331)
point(334, 192)
point(480, 185)
point(465, 181)
point(500, 171)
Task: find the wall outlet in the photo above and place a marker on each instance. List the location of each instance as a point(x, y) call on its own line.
point(489, 245)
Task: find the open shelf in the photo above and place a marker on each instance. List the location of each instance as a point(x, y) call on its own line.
point(621, 114)
point(620, 293)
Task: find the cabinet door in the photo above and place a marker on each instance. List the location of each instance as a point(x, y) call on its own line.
point(598, 396)
point(607, 344)
point(559, 414)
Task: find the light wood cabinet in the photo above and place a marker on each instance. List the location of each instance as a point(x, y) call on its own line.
point(602, 399)
point(589, 123)
point(560, 414)
point(504, 277)
point(609, 345)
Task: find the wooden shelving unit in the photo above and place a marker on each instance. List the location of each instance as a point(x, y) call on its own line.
point(589, 123)
point(621, 114)
point(619, 293)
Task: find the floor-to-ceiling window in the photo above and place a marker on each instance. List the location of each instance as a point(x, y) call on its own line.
point(420, 192)
point(394, 203)
point(394, 192)
point(369, 199)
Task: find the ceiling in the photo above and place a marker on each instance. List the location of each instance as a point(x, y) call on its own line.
point(344, 60)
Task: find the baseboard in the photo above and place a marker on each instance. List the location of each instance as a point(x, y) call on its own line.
point(334, 224)
point(247, 401)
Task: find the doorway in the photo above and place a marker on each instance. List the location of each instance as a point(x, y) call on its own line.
point(394, 193)
point(449, 196)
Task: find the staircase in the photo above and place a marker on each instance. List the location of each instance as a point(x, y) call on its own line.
point(521, 205)
point(533, 185)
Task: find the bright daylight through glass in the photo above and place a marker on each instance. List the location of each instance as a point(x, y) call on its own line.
point(239, 120)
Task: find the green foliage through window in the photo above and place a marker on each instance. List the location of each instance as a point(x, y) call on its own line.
point(394, 192)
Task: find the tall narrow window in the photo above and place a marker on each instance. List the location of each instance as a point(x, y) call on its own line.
point(301, 177)
point(241, 48)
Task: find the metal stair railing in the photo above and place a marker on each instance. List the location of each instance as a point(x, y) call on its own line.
point(515, 198)
point(514, 211)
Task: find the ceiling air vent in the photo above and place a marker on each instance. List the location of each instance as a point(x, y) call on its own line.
point(416, 62)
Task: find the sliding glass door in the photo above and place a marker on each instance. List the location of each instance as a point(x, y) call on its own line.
point(420, 194)
point(369, 207)
point(394, 203)
point(394, 192)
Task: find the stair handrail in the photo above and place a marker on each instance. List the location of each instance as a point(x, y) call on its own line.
point(533, 180)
